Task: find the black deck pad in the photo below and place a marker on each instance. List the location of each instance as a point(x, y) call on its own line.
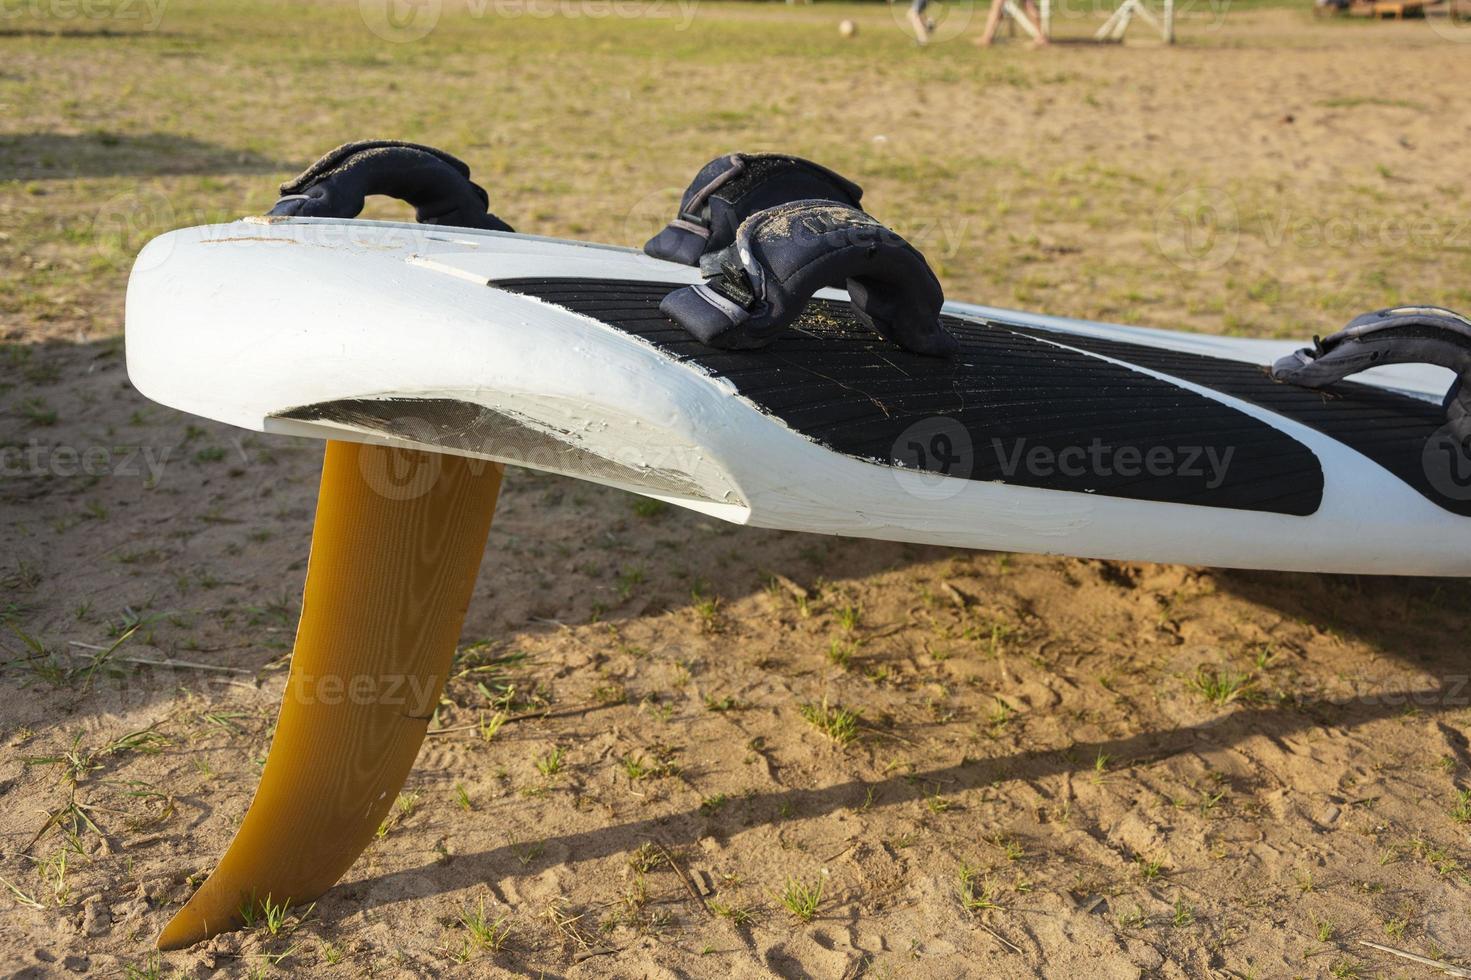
point(1010, 407)
point(1390, 428)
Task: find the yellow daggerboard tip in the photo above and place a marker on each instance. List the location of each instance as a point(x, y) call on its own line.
point(396, 547)
point(184, 930)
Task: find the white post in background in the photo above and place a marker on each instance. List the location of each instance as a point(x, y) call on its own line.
point(1034, 20)
point(1113, 29)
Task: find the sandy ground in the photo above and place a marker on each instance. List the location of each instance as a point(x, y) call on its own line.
point(1060, 767)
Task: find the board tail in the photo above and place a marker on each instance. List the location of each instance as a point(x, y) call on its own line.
point(397, 544)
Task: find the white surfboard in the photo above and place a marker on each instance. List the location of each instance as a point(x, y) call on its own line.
point(1044, 435)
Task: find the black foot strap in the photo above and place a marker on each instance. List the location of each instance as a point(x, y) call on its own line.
point(781, 256)
point(1403, 335)
point(730, 189)
point(437, 185)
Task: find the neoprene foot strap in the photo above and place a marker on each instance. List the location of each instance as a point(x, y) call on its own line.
point(781, 256)
point(731, 188)
point(1402, 335)
point(437, 185)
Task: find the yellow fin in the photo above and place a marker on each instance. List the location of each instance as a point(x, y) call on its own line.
point(398, 540)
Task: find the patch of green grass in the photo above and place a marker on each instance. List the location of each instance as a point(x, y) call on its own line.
point(976, 893)
point(740, 915)
point(488, 727)
point(834, 721)
point(610, 694)
point(1461, 812)
point(277, 918)
point(801, 898)
point(707, 611)
point(403, 807)
point(1000, 716)
point(1358, 101)
point(551, 763)
point(1221, 685)
point(636, 766)
point(1438, 857)
point(630, 578)
point(1012, 848)
point(484, 932)
point(37, 412)
point(648, 507)
point(152, 969)
point(24, 898)
point(840, 652)
point(645, 858)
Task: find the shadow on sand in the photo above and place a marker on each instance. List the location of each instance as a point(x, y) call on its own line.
point(61, 156)
point(1031, 766)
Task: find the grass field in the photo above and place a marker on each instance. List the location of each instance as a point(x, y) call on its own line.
point(1009, 166)
point(680, 749)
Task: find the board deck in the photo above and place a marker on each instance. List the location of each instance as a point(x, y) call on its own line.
point(837, 383)
point(1043, 434)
